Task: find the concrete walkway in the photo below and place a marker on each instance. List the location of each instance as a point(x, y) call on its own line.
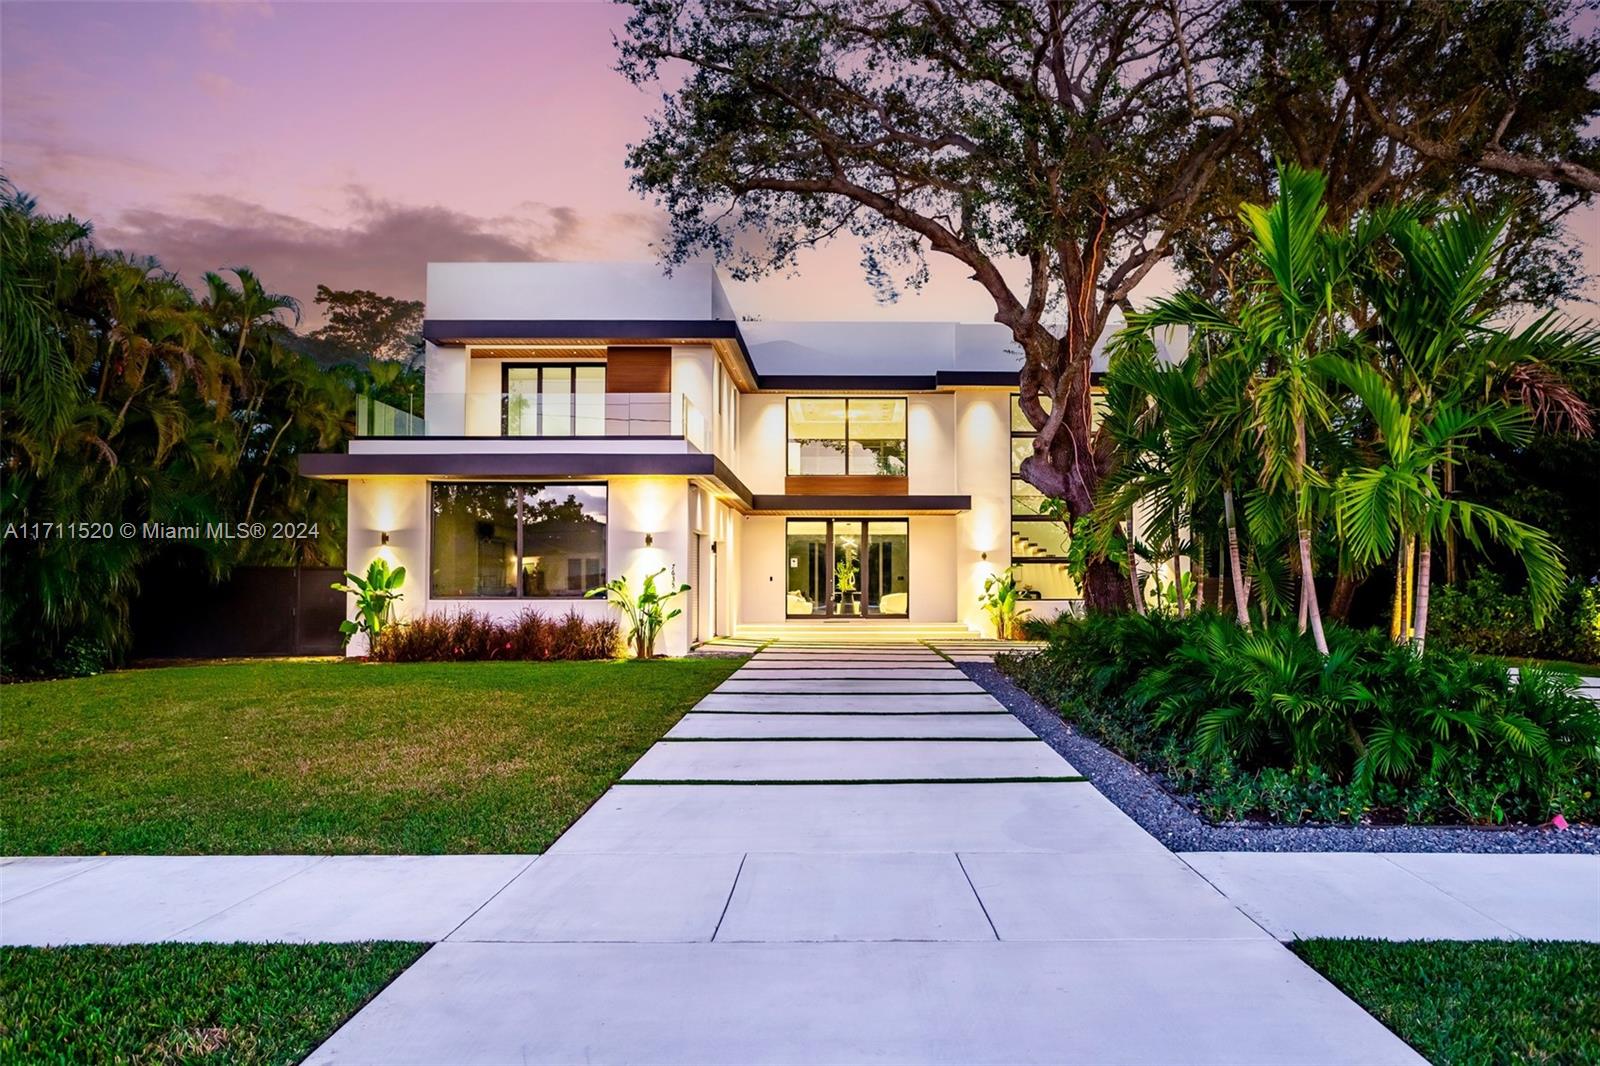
point(1411, 897)
point(139, 899)
point(845, 853)
point(941, 888)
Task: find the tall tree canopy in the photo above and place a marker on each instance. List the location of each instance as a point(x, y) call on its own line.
point(1081, 141)
point(125, 398)
point(364, 325)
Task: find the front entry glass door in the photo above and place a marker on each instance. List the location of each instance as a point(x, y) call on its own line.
point(848, 568)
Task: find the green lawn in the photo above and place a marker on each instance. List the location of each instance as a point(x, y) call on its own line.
point(1460, 1002)
point(332, 757)
point(1581, 669)
point(199, 1003)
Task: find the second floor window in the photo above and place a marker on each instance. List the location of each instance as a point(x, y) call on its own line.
point(555, 400)
point(861, 436)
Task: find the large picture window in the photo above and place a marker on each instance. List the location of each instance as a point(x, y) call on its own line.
point(555, 399)
point(512, 540)
point(856, 436)
point(1039, 544)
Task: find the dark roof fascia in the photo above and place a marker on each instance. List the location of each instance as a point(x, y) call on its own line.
point(835, 504)
point(455, 331)
point(814, 382)
point(520, 464)
point(460, 330)
point(948, 379)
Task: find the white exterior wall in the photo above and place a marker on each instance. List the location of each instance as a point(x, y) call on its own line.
point(931, 443)
point(634, 506)
point(693, 378)
point(983, 471)
point(763, 579)
point(600, 291)
point(762, 443)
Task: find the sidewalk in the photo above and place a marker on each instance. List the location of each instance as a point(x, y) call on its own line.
point(942, 888)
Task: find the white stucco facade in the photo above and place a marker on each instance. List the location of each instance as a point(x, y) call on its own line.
point(696, 468)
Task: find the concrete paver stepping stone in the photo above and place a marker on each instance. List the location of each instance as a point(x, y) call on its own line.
point(638, 898)
point(970, 726)
point(822, 687)
point(137, 899)
point(1352, 894)
point(830, 897)
point(1036, 816)
point(367, 897)
point(906, 673)
point(1139, 896)
point(863, 760)
point(1201, 1002)
point(925, 703)
point(1546, 897)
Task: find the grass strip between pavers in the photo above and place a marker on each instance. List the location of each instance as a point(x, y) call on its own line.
point(191, 1003)
point(857, 781)
point(848, 714)
point(1475, 1001)
point(826, 740)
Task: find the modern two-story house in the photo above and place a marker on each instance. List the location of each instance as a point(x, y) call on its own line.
point(588, 420)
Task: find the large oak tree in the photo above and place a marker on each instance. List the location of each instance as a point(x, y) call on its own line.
point(1081, 139)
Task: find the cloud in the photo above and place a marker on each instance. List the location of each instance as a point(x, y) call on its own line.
point(379, 245)
point(217, 86)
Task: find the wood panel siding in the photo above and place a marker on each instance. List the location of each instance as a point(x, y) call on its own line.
point(844, 485)
point(638, 369)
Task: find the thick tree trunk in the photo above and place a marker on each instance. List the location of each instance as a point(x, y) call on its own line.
point(1451, 561)
point(1405, 586)
point(1308, 591)
point(1308, 574)
point(1424, 583)
point(1135, 587)
point(1178, 597)
point(1424, 580)
point(1065, 462)
point(1241, 595)
point(1344, 595)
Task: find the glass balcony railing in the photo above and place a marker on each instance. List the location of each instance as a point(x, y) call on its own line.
point(492, 414)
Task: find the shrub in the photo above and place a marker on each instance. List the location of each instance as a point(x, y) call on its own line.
point(470, 636)
point(1481, 615)
point(1257, 722)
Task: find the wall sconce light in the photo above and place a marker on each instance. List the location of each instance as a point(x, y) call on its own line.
point(383, 538)
point(649, 539)
point(713, 547)
point(984, 556)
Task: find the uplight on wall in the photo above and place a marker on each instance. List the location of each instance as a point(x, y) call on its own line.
point(649, 539)
point(383, 538)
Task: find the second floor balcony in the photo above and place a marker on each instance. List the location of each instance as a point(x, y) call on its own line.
point(537, 416)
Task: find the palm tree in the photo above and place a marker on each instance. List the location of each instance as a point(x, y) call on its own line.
point(1289, 316)
point(1395, 497)
point(1449, 371)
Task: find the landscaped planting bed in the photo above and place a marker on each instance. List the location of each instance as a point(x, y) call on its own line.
point(1477, 1001)
point(468, 636)
point(328, 757)
point(200, 1003)
point(1258, 725)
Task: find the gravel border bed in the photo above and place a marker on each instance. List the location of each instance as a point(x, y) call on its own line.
point(1164, 817)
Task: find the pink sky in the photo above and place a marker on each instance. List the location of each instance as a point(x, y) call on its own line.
point(350, 143)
